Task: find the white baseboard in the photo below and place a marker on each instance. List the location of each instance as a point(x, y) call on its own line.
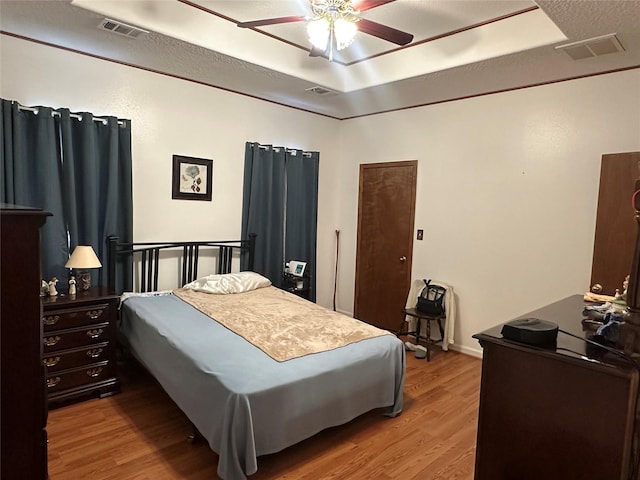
point(474, 352)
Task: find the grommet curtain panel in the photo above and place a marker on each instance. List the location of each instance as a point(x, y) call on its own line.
point(78, 168)
point(280, 205)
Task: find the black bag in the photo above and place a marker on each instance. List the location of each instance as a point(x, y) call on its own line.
point(431, 299)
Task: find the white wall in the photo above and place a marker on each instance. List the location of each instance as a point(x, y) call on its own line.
point(507, 183)
point(506, 192)
point(171, 116)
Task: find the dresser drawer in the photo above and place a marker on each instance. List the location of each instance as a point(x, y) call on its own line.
point(76, 337)
point(77, 357)
point(77, 377)
point(75, 317)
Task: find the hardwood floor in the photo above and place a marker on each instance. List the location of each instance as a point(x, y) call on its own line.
point(141, 435)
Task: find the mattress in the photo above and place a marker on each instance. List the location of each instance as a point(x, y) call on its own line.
point(244, 402)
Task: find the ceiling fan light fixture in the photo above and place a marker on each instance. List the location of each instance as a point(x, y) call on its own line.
point(345, 32)
point(333, 25)
point(318, 31)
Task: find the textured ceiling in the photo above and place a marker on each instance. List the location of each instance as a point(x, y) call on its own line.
point(460, 48)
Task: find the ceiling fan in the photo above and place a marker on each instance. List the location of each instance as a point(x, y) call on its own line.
point(334, 23)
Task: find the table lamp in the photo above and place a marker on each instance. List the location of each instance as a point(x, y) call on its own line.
point(83, 258)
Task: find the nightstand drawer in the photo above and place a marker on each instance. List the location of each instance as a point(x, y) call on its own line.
point(74, 317)
point(78, 377)
point(77, 337)
point(77, 357)
point(79, 344)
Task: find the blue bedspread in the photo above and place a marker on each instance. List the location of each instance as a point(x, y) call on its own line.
point(242, 401)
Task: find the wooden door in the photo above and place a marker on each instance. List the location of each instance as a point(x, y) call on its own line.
point(616, 227)
point(386, 207)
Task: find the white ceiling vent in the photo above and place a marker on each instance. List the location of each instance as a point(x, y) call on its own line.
point(121, 28)
point(325, 92)
point(593, 47)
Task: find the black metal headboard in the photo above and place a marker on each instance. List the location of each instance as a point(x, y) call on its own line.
point(147, 256)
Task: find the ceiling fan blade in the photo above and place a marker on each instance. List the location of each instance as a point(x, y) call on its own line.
point(364, 5)
point(270, 21)
point(384, 32)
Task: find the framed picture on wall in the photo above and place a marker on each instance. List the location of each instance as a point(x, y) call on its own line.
point(192, 178)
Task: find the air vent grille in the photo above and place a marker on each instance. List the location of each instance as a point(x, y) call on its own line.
point(321, 91)
point(593, 47)
point(121, 28)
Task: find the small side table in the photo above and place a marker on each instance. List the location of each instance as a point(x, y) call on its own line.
point(300, 286)
point(79, 344)
point(419, 316)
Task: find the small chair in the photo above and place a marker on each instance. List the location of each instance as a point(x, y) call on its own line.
point(418, 317)
point(417, 333)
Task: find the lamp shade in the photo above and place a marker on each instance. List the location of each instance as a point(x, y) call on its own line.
point(83, 256)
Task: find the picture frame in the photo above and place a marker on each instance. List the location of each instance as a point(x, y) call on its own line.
point(192, 178)
point(296, 268)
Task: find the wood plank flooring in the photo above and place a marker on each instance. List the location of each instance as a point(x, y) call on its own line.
point(141, 435)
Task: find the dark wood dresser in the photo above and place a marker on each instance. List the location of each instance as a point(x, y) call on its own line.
point(79, 340)
point(23, 439)
point(561, 413)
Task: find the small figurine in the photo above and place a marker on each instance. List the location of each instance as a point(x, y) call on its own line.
point(72, 285)
point(52, 287)
point(44, 289)
point(620, 298)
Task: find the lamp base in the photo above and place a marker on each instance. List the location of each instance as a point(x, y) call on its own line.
point(85, 280)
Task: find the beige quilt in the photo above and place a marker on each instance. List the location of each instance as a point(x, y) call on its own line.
point(279, 323)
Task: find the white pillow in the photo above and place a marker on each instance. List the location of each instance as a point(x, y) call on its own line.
point(229, 283)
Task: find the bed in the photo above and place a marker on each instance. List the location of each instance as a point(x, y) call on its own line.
point(243, 398)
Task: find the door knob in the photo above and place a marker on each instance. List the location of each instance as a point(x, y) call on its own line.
point(403, 259)
point(597, 288)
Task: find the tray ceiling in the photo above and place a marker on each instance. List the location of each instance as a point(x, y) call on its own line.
point(461, 48)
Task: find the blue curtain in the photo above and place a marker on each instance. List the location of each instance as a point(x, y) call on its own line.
point(31, 176)
point(302, 210)
point(97, 183)
point(263, 207)
point(280, 205)
point(76, 167)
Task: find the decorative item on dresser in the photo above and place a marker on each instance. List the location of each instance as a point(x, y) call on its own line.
point(79, 338)
point(23, 407)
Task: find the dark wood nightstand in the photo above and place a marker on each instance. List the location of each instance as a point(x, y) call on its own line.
point(79, 344)
point(300, 286)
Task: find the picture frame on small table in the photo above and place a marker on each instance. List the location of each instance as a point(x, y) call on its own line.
point(296, 268)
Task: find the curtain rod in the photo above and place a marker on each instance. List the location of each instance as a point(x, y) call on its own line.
point(289, 150)
point(73, 115)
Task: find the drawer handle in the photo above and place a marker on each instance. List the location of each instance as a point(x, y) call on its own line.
point(94, 352)
point(95, 333)
point(51, 341)
point(94, 372)
point(52, 320)
point(51, 362)
point(93, 314)
point(52, 382)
